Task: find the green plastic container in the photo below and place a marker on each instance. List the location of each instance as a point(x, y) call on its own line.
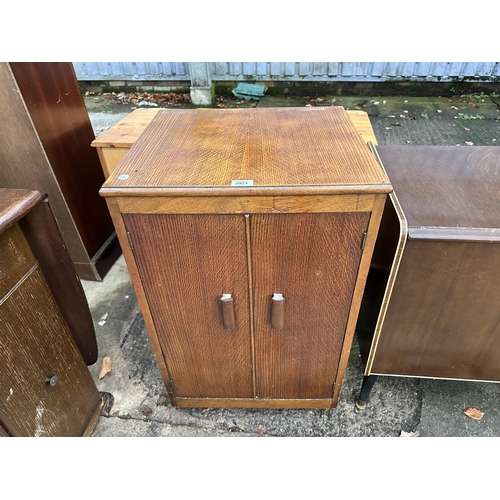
point(249, 91)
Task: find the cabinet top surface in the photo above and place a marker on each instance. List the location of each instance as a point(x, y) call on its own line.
point(446, 186)
point(15, 204)
point(316, 148)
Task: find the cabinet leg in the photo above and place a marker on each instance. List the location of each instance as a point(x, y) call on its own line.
point(366, 388)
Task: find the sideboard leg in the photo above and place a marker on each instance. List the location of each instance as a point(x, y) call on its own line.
point(366, 388)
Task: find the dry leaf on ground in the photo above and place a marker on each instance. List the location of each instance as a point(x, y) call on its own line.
point(474, 413)
point(106, 367)
point(260, 430)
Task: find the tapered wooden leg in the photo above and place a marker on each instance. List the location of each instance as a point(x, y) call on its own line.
point(366, 388)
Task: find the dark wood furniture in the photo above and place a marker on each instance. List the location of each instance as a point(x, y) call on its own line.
point(45, 136)
point(46, 387)
point(248, 234)
point(432, 301)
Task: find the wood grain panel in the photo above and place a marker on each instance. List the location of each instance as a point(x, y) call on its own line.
point(45, 239)
point(253, 403)
point(110, 158)
point(36, 344)
point(443, 318)
point(312, 259)
point(125, 133)
point(55, 104)
point(247, 204)
point(186, 262)
point(15, 204)
point(271, 146)
point(16, 258)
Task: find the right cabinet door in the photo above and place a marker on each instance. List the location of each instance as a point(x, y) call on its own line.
point(313, 261)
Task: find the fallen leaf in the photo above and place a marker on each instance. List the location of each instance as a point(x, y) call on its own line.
point(115, 413)
point(396, 124)
point(146, 410)
point(439, 110)
point(474, 413)
point(454, 107)
point(409, 434)
point(106, 367)
point(388, 128)
point(104, 316)
point(161, 401)
point(261, 430)
point(465, 128)
point(408, 142)
point(469, 143)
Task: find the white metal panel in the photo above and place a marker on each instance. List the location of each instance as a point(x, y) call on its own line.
point(293, 71)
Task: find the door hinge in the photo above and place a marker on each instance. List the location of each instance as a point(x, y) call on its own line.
point(130, 241)
point(363, 240)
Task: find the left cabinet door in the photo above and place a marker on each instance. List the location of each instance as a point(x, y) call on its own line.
point(36, 345)
point(186, 263)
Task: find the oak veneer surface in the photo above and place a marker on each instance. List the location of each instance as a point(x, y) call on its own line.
point(15, 204)
point(43, 237)
point(186, 263)
point(312, 259)
point(16, 258)
point(36, 344)
point(272, 147)
point(446, 186)
point(125, 133)
point(53, 99)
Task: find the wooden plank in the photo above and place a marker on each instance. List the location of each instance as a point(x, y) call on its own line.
point(54, 102)
point(15, 204)
point(270, 146)
point(361, 122)
point(121, 233)
point(247, 204)
point(125, 133)
point(253, 403)
point(359, 287)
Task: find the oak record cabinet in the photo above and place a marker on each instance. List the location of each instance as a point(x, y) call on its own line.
point(248, 234)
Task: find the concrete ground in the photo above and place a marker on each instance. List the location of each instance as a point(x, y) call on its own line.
point(398, 406)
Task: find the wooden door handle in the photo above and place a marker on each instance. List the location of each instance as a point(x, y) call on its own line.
point(227, 307)
point(277, 311)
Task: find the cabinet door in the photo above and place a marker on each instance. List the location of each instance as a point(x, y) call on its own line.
point(186, 263)
point(36, 344)
point(313, 260)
